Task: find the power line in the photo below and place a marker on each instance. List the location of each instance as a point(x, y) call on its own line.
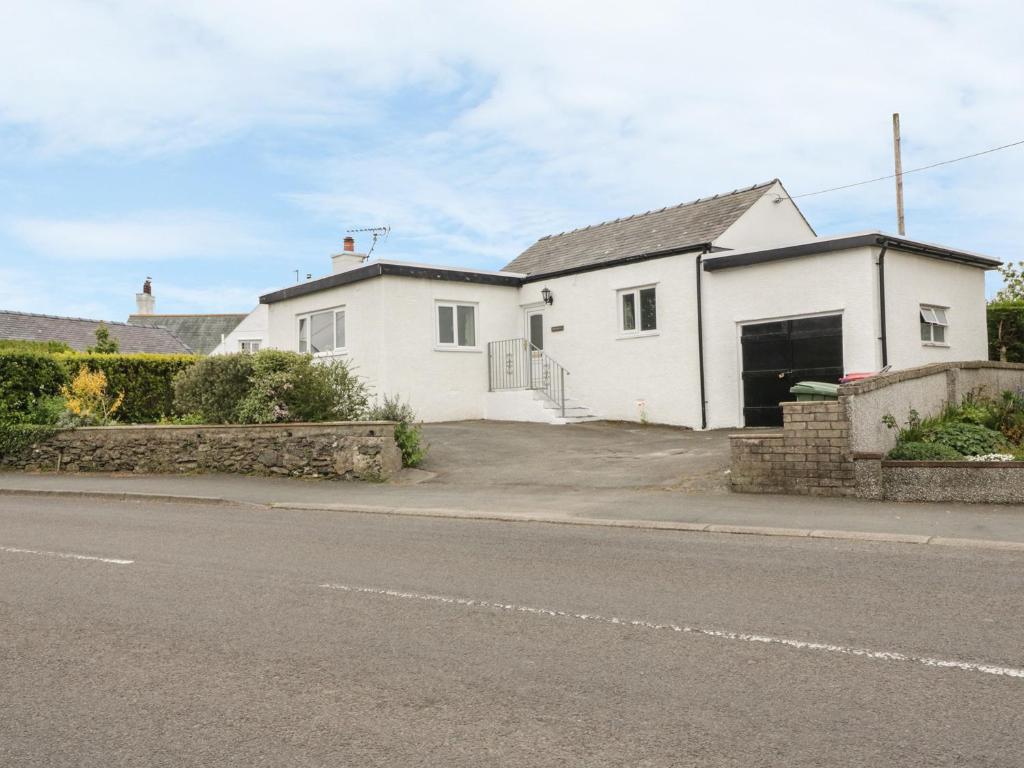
point(909, 170)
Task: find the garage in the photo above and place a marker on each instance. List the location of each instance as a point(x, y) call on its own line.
point(778, 354)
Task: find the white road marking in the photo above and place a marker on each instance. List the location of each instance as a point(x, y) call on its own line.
point(967, 666)
point(66, 555)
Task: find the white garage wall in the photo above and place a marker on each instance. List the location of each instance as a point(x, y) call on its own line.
point(838, 282)
point(609, 371)
point(912, 280)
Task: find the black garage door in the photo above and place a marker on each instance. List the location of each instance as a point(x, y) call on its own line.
point(778, 355)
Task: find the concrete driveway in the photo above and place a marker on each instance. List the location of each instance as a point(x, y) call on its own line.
point(589, 455)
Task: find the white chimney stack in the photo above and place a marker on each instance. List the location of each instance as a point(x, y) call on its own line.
point(144, 302)
point(348, 258)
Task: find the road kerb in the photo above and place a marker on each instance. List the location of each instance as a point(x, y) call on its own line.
point(117, 495)
point(468, 514)
point(895, 538)
point(659, 525)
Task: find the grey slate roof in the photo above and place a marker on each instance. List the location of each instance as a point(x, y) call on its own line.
point(201, 332)
point(80, 333)
point(689, 224)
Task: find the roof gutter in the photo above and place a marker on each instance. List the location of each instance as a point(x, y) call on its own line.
point(702, 247)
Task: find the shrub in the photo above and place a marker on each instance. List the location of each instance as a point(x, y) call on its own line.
point(966, 439)
point(88, 400)
point(25, 378)
point(270, 386)
point(146, 380)
point(213, 387)
point(916, 451)
point(408, 434)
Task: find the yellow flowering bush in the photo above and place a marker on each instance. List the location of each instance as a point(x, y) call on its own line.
point(87, 400)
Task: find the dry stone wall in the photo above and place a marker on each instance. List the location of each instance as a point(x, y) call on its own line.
point(346, 450)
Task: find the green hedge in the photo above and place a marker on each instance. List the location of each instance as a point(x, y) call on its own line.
point(42, 347)
point(25, 377)
point(146, 380)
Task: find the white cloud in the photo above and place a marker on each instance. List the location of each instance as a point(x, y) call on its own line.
point(548, 115)
point(142, 238)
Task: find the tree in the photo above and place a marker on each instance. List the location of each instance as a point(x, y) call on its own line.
point(1013, 284)
point(104, 344)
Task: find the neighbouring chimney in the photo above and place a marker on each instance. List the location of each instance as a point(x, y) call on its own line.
point(348, 258)
point(145, 302)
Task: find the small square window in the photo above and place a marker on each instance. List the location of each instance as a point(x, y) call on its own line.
point(249, 345)
point(638, 310)
point(934, 321)
point(456, 325)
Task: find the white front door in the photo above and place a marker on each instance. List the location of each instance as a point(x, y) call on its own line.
point(535, 335)
point(535, 328)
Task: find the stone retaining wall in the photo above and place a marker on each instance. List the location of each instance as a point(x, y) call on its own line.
point(349, 450)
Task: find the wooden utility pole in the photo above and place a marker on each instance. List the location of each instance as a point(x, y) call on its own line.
point(899, 172)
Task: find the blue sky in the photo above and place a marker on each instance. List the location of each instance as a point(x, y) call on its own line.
point(219, 146)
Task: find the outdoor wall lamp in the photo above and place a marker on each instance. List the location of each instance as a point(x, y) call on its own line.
point(546, 295)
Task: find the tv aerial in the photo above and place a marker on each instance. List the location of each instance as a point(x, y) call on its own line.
point(379, 233)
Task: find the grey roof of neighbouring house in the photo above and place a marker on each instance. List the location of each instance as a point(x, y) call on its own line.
point(201, 332)
point(680, 227)
point(80, 333)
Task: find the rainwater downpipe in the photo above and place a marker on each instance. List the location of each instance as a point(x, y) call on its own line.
point(881, 304)
point(700, 339)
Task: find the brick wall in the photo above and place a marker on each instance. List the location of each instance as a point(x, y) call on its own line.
point(811, 455)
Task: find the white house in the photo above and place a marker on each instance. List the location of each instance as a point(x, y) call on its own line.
point(702, 315)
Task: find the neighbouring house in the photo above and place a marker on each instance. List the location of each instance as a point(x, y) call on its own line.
point(202, 333)
point(701, 315)
point(80, 334)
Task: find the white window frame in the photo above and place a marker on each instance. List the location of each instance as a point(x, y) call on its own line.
point(934, 316)
point(620, 314)
point(304, 335)
point(244, 343)
point(454, 346)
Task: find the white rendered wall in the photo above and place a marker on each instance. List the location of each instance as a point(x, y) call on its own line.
point(441, 384)
point(841, 282)
point(363, 324)
point(912, 280)
point(254, 326)
point(390, 329)
point(768, 223)
point(609, 372)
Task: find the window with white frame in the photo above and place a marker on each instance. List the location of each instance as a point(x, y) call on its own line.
point(249, 345)
point(322, 333)
point(638, 310)
point(934, 322)
point(456, 325)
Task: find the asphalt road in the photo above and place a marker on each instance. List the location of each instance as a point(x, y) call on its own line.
point(248, 637)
